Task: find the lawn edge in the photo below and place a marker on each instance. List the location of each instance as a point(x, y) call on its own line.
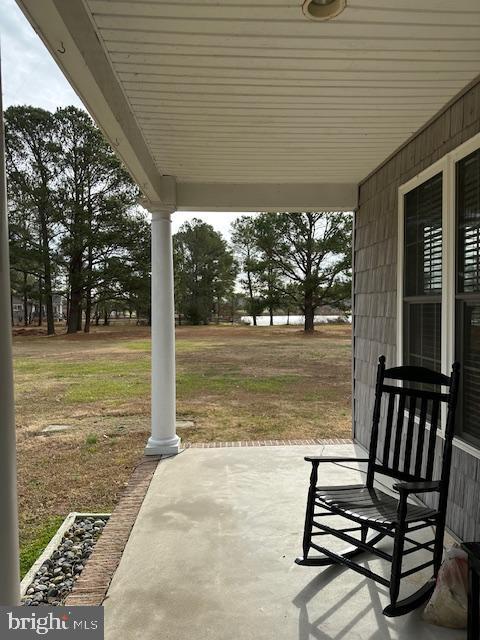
point(92, 586)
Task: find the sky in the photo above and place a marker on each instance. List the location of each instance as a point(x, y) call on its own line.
point(30, 76)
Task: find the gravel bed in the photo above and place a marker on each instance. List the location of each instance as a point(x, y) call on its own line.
point(57, 575)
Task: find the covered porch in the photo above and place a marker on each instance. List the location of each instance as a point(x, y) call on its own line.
point(212, 552)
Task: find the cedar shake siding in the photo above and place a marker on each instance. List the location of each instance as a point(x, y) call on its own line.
point(375, 283)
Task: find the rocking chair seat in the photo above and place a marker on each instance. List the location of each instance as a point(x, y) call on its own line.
point(370, 505)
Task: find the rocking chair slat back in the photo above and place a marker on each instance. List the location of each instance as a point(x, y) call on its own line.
point(432, 439)
point(410, 429)
point(388, 429)
point(398, 435)
point(421, 438)
point(404, 451)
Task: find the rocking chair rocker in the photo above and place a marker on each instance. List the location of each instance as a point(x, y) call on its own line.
point(406, 453)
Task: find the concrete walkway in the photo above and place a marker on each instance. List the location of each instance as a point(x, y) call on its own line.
point(211, 557)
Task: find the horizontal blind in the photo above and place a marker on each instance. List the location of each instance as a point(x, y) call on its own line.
point(423, 239)
point(468, 206)
point(423, 274)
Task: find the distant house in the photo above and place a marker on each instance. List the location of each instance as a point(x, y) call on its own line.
point(32, 309)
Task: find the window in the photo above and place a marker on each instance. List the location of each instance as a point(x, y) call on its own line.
point(468, 292)
point(422, 286)
point(438, 278)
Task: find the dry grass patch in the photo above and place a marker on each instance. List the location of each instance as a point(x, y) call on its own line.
point(235, 383)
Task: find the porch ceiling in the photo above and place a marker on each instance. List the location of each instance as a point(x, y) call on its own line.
point(228, 93)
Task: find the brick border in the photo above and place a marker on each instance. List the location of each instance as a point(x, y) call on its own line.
point(94, 581)
point(265, 443)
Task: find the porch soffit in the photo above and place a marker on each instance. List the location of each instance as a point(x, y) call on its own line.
point(253, 106)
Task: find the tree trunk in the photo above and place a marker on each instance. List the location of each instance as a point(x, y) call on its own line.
point(25, 300)
point(106, 320)
point(40, 302)
point(75, 310)
point(88, 293)
point(88, 312)
point(309, 316)
point(309, 291)
point(270, 311)
point(47, 273)
point(250, 294)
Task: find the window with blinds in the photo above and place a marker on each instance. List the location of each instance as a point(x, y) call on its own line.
point(423, 274)
point(468, 292)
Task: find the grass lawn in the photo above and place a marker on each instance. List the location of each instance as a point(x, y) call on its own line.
point(234, 383)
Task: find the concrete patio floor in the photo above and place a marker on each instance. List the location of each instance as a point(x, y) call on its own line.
point(212, 552)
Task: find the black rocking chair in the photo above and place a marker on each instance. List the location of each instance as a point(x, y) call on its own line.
point(406, 452)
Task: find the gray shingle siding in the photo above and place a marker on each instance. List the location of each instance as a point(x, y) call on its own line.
point(375, 285)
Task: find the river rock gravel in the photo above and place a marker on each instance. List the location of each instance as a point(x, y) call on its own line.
point(57, 575)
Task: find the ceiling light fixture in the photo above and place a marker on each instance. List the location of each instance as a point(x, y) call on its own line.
point(323, 9)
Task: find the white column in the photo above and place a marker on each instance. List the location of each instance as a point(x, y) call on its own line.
point(9, 568)
point(163, 439)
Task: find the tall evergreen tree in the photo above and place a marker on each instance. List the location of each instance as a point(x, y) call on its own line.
point(94, 193)
point(32, 163)
point(205, 271)
point(268, 238)
point(245, 245)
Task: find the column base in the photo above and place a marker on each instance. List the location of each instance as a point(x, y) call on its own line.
point(169, 446)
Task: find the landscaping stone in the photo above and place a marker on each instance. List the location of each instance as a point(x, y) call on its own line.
point(57, 428)
point(55, 578)
point(185, 424)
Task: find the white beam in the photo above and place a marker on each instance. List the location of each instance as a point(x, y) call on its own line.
point(194, 196)
point(163, 439)
point(9, 566)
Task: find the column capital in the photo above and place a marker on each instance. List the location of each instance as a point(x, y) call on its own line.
point(158, 209)
point(161, 210)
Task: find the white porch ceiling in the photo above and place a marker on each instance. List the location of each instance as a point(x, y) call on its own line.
point(219, 93)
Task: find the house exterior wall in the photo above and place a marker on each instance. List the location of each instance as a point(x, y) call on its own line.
point(375, 283)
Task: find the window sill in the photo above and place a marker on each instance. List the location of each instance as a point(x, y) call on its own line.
point(468, 447)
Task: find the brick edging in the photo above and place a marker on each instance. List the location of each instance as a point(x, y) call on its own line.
point(94, 581)
point(265, 443)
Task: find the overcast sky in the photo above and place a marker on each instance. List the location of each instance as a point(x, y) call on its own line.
point(30, 76)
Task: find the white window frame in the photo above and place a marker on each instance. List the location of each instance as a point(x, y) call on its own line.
point(447, 166)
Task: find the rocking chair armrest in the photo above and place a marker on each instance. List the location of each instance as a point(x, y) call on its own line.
point(423, 486)
point(334, 459)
